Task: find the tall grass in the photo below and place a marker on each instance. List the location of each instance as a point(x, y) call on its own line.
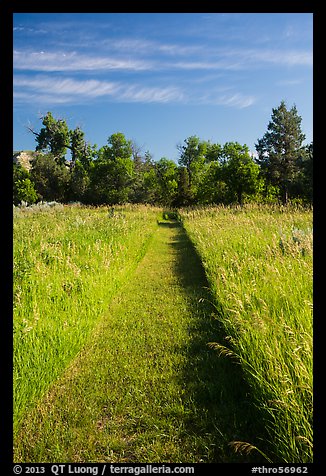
point(68, 263)
point(258, 262)
point(143, 388)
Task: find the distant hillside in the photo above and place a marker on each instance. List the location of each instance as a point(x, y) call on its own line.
point(24, 158)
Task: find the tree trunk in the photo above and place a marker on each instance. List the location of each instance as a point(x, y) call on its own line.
point(285, 195)
point(239, 195)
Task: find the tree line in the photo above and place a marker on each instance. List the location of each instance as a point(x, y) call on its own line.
point(206, 172)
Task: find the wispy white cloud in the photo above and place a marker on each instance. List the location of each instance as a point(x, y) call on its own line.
point(236, 100)
point(150, 47)
point(200, 65)
point(249, 57)
point(72, 61)
point(67, 86)
point(68, 90)
point(232, 99)
point(136, 93)
point(24, 29)
point(287, 57)
point(136, 55)
point(40, 98)
point(57, 90)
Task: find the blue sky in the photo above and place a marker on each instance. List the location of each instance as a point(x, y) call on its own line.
point(161, 77)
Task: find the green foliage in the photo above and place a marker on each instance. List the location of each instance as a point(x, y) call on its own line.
point(206, 172)
point(213, 152)
point(79, 182)
point(25, 192)
point(212, 188)
point(144, 187)
point(184, 194)
point(240, 172)
point(50, 177)
point(166, 171)
point(112, 172)
point(192, 157)
point(23, 187)
point(77, 145)
point(53, 137)
point(280, 148)
point(303, 185)
point(110, 180)
point(119, 147)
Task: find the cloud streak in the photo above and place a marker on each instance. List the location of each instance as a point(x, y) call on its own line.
point(61, 61)
point(280, 57)
point(206, 58)
point(69, 90)
point(152, 72)
point(237, 100)
point(57, 90)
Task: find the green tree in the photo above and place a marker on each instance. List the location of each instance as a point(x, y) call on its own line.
point(112, 172)
point(118, 146)
point(77, 146)
point(53, 137)
point(192, 157)
point(51, 178)
point(241, 173)
point(79, 182)
point(305, 177)
point(212, 188)
point(23, 187)
point(145, 186)
point(213, 152)
point(110, 180)
point(82, 157)
point(166, 171)
point(280, 148)
point(184, 196)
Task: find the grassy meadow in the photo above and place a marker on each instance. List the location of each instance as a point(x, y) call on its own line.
point(258, 261)
point(146, 388)
point(68, 263)
point(140, 338)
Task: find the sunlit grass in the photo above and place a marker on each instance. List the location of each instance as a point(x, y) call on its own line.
point(68, 263)
point(143, 387)
point(258, 262)
point(134, 379)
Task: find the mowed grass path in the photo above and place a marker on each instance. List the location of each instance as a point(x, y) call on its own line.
point(147, 387)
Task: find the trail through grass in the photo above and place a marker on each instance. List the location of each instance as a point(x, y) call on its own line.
point(147, 387)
